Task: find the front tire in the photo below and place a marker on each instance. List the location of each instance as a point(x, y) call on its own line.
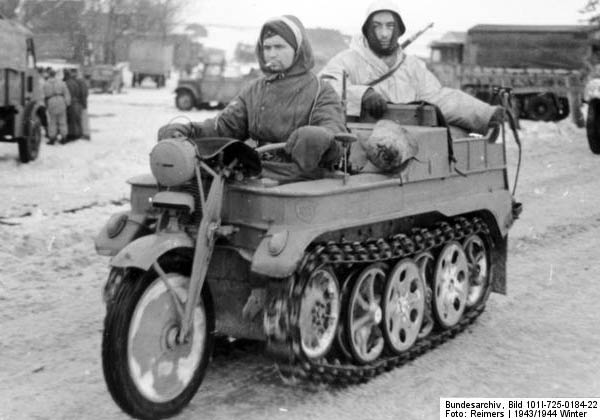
point(148, 373)
point(184, 101)
point(592, 125)
point(542, 108)
point(29, 145)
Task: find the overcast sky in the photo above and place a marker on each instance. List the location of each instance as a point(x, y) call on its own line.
point(347, 16)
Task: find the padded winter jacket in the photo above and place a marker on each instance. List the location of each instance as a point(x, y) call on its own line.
point(412, 81)
point(273, 106)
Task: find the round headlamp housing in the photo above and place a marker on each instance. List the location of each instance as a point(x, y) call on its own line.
point(173, 161)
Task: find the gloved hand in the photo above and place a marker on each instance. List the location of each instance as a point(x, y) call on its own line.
point(174, 130)
point(374, 103)
point(497, 117)
point(312, 146)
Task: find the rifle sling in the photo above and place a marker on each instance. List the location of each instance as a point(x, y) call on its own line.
point(388, 74)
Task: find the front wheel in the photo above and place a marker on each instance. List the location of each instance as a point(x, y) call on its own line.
point(184, 101)
point(29, 145)
point(592, 125)
point(149, 373)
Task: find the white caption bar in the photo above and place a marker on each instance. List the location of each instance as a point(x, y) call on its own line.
point(520, 408)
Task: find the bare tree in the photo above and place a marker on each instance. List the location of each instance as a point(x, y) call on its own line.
point(8, 8)
point(114, 20)
point(591, 12)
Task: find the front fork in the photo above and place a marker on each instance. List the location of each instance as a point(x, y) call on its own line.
point(210, 225)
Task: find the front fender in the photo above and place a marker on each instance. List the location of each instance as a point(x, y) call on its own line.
point(189, 86)
point(285, 263)
point(143, 252)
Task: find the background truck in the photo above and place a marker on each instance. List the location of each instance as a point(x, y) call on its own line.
point(150, 57)
point(105, 77)
point(210, 87)
point(20, 92)
point(545, 66)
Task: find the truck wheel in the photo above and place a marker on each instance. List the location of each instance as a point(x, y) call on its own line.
point(592, 125)
point(29, 146)
point(541, 108)
point(184, 101)
point(149, 373)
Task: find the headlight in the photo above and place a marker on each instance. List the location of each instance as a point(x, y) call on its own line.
point(116, 224)
point(173, 161)
point(277, 243)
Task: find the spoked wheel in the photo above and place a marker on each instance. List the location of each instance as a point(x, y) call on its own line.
point(450, 285)
point(319, 312)
point(479, 269)
point(403, 306)
point(341, 336)
point(425, 262)
point(363, 319)
point(149, 372)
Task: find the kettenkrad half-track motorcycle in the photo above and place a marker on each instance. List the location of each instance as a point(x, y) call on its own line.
point(342, 277)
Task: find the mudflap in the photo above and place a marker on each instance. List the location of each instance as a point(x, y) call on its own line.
point(499, 254)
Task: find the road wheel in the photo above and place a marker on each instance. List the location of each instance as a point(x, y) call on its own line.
point(403, 306)
point(149, 373)
point(541, 108)
point(319, 313)
point(450, 285)
point(592, 125)
point(479, 269)
point(184, 100)
point(364, 314)
point(29, 145)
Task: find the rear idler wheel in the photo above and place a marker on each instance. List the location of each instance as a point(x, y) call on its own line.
point(479, 269)
point(403, 306)
point(450, 285)
point(364, 314)
point(319, 312)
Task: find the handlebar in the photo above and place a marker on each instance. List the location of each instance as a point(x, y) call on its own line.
point(270, 147)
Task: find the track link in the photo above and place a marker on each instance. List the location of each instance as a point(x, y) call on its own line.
point(283, 342)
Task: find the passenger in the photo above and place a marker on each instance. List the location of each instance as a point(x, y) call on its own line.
point(288, 104)
point(380, 72)
point(38, 96)
point(57, 99)
point(85, 118)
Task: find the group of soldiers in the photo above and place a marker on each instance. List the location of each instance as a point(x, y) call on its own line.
point(65, 103)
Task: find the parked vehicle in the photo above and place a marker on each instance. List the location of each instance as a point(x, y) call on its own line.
point(20, 91)
point(342, 277)
point(106, 78)
point(210, 88)
point(150, 57)
point(545, 66)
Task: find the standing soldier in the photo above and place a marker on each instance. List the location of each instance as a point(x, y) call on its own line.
point(85, 118)
point(74, 109)
point(57, 99)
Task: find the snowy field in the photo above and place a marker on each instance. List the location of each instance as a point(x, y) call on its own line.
point(541, 340)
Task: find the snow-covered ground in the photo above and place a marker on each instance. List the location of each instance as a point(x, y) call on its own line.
point(540, 340)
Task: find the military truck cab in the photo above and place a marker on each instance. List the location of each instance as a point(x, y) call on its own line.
point(544, 65)
point(20, 92)
point(211, 87)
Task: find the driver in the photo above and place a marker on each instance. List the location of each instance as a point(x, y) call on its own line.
point(288, 104)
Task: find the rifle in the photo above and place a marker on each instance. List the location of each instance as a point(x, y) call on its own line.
point(410, 40)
